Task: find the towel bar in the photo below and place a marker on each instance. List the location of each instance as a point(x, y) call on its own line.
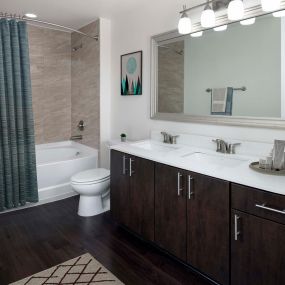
point(235, 89)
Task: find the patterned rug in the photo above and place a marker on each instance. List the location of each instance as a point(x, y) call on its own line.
point(83, 270)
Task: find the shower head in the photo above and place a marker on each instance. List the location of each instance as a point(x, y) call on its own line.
point(76, 48)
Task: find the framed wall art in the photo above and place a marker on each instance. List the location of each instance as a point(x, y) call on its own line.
point(131, 74)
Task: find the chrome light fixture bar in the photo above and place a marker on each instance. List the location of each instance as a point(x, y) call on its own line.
point(26, 19)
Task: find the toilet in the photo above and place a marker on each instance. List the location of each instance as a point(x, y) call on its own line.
point(92, 185)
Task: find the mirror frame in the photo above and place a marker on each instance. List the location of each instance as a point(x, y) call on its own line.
point(168, 37)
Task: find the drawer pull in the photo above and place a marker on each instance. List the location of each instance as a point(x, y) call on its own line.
point(190, 193)
point(131, 167)
point(264, 207)
point(179, 189)
point(237, 232)
point(124, 165)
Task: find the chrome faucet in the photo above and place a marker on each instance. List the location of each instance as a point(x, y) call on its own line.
point(224, 147)
point(168, 138)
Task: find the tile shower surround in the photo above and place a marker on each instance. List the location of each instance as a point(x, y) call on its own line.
point(65, 84)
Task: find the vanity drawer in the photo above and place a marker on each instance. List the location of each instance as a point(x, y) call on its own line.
point(260, 203)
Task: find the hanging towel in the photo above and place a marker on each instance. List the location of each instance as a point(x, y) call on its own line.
point(222, 101)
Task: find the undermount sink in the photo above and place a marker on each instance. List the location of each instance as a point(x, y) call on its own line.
point(215, 159)
point(148, 145)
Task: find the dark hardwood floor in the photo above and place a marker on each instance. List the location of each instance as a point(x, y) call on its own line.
point(34, 239)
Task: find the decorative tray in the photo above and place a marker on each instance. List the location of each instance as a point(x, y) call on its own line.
point(255, 166)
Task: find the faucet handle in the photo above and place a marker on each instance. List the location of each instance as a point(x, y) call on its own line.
point(173, 139)
point(218, 142)
point(165, 137)
point(232, 148)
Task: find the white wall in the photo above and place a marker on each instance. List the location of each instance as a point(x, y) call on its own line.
point(131, 32)
point(105, 92)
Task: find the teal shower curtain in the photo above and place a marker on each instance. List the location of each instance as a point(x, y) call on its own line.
point(18, 177)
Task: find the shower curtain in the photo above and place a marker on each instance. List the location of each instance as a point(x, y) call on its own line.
point(18, 177)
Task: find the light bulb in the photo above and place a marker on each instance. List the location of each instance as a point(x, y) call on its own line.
point(235, 10)
point(184, 25)
point(270, 5)
point(248, 22)
point(221, 28)
point(197, 34)
point(279, 14)
point(31, 15)
point(208, 18)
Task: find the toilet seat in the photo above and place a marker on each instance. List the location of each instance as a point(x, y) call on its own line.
point(91, 176)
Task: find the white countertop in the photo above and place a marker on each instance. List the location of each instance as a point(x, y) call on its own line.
point(179, 157)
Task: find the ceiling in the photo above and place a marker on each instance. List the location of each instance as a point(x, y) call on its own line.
point(77, 13)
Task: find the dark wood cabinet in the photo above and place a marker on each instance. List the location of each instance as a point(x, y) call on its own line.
point(170, 210)
point(120, 186)
point(192, 218)
point(142, 197)
point(208, 221)
point(257, 251)
point(232, 233)
point(132, 193)
point(258, 237)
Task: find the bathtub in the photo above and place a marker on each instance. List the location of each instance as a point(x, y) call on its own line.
point(56, 163)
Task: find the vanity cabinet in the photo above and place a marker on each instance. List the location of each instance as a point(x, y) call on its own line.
point(132, 193)
point(192, 217)
point(170, 210)
point(208, 222)
point(232, 233)
point(258, 237)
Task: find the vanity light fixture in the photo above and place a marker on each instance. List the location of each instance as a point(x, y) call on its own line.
point(279, 14)
point(220, 28)
point(235, 10)
point(208, 17)
point(185, 24)
point(270, 5)
point(248, 22)
point(31, 15)
point(197, 34)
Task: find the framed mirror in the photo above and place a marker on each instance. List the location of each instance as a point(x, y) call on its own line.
point(232, 77)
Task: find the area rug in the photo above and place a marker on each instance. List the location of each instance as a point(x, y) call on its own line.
point(83, 270)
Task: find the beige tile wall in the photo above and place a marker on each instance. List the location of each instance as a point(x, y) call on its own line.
point(171, 78)
point(85, 85)
point(50, 57)
point(65, 84)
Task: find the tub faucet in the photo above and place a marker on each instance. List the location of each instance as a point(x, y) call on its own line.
point(76, 138)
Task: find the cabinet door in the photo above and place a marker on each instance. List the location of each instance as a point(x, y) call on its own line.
point(120, 187)
point(142, 197)
point(208, 221)
point(170, 210)
point(258, 251)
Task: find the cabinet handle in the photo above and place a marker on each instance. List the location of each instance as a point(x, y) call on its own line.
point(124, 165)
point(131, 167)
point(179, 189)
point(237, 232)
point(264, 207)
point(190, 193)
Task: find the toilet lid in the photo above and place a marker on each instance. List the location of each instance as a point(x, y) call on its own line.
point(91, 175)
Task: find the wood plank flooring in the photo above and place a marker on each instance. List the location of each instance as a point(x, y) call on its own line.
point(38, 238)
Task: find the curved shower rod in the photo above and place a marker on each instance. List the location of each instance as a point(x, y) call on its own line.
point(25, 19)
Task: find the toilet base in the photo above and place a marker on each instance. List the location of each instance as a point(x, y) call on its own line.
point(90, 206)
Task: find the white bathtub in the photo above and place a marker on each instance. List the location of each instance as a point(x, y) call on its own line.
point(56, 163)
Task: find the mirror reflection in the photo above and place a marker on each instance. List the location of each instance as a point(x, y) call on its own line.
point(235, 72)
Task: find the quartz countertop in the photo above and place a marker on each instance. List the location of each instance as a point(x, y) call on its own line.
point(184, 157)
